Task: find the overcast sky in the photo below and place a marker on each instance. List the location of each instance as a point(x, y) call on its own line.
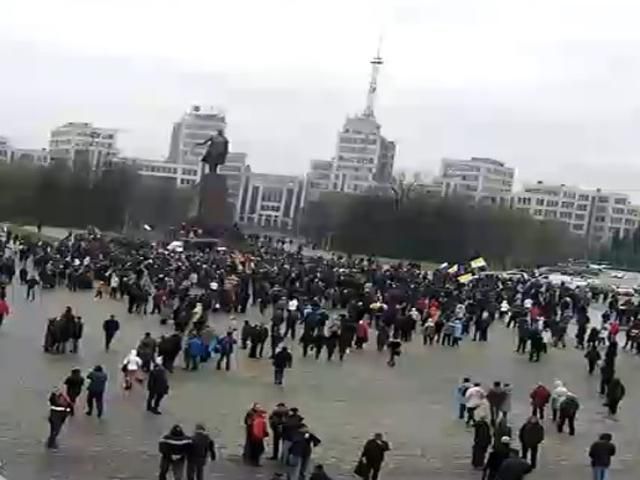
point(549, 86)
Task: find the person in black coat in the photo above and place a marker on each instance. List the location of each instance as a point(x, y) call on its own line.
point(110, 327)
point(615, 393)
point(600, 454)
point(372, 456)
point(281, 360)
point(481, 442)
point(76, 334)
point(593, 357)
point(513, 467)
point(158, 387)
point(607, 372)
point(499, 454)
point(202, 447)
point(531, 436)
point(174, 448)
point(74, 383)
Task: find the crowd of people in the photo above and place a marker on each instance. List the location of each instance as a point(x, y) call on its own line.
point(326, 304)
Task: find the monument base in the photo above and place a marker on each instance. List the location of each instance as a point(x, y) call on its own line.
point(214, 209)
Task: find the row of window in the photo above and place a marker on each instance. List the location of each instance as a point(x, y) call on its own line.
point(349, 140)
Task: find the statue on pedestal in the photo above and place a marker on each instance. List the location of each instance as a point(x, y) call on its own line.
point(217, 150)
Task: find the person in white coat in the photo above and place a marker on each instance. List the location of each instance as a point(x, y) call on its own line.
point(557, 395)
point(473, 399)
point(130, 367)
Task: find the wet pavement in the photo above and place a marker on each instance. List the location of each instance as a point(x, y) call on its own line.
point(343, 403)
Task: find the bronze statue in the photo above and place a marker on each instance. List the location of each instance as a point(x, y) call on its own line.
point(217, 150)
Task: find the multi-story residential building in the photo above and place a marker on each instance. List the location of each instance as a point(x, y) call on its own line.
point(483, 181)
point(5, 150)
point(595, 214)
point(318, 179)
point(182, 175)
point(270, 201)
point(195, 126)
point(81, 145)
point(30, 156)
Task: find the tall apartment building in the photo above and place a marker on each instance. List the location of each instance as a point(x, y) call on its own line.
point(483, 181)
point(598, 215)
point(81, 145)
point(363, 157)
point(195, 126)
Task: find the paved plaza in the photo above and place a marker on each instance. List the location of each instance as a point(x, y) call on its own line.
point(343, 403)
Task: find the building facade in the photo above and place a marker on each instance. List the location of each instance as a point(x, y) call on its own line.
point(182, 175)
point(81, 145)
point(195, 126)
point(599, 216)
point(483, 181)
point(270, 201)
point(24, 156)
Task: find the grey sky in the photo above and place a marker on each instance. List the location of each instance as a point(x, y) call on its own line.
point(550, 86)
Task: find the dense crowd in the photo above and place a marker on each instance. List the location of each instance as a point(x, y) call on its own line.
point(328, 305)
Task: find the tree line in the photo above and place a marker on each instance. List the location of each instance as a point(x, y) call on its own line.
point(113, 199)
point(423, 228)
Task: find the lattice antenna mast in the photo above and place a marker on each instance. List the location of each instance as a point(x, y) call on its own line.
point(376, 63)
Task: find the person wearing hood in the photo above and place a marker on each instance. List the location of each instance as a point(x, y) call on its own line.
point(567, 411)
point(615, 394)
point(174, 448)
point(540, 397)
point(607, 373)
point(130, 367)
point(557, 395)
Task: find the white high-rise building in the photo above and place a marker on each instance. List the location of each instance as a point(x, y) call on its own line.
point(81, 144)
point(195, 126)
point(363, 157)
point(483, 181)
point(598, 215)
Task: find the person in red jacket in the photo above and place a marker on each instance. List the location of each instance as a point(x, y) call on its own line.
point(540, 397)
point(258, 431)
point(4, 310)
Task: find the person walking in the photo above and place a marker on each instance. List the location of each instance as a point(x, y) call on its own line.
point(73, 384)
point(481, 442)
point(4, 309)
point(498, 455)
point(174, 448)
point(372, 457)
point(300, 452)
point(59, 410)
point(202, 447)
point(513, 467)
point(158, 387)
point(281, 360)
point(461, 391)
point(540, 397)
point(130, 367)
point(615, 394)
point(95, 390)
point(531, 436)
point(567, 413)
point(110, 327)
point(593, 357)
point(225, 347)
point(557, 395)
point(277, 419)
point(600, 453)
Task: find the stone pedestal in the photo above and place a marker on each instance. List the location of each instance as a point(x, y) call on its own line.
point(215, 213)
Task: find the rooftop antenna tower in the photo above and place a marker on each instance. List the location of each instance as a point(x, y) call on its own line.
point(376, 63)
